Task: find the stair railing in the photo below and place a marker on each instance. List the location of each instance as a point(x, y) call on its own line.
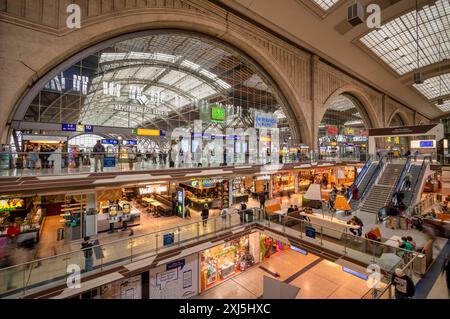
point(374, 178)
point(423, 168)
point(400, 181)
point(359, 179)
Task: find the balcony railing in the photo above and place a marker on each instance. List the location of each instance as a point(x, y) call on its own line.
point(22, 279)
point(61, 163)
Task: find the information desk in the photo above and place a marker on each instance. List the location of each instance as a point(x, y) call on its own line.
point(331, 227)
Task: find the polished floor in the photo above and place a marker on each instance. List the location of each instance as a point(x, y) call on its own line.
point(317, 279)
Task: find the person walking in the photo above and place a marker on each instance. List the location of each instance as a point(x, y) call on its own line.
point(408, 180)
point(404, 286)
point(224, 215)
point(262, 200)
point(131, 158)
point(205, 215)
point(86, 246)
point(99, 154)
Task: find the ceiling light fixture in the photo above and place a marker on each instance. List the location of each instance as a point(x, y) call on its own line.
point(418, 76)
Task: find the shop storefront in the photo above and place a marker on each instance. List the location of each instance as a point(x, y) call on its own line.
point(43, 151)
point(283, 184)
point(213, 192)
point(21, 215)
point(227, 260)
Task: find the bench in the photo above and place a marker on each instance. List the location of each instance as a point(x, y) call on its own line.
point(270, 209)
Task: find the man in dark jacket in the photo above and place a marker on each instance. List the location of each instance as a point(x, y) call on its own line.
point(205, 215)
point(262, 200)
point(404, 286)
point(86, 246)
point(99, 154)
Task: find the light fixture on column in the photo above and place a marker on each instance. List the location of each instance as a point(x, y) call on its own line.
point(355, 13)
point(418, 75)
point(440, 100)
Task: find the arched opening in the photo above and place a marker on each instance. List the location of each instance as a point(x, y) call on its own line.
point(165, 80)
point(398, 144)
point(344, 128)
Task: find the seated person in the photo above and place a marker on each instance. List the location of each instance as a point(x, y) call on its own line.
point(374, 234)
point(444, 207)
point(405, 244)
point(356, 222)
point(290, 209)
point(295, 208)
point(412, 242)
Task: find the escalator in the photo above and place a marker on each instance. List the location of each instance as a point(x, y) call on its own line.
point(363, 181)
point(417, 172)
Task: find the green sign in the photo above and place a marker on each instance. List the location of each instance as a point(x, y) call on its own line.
point(217, 114)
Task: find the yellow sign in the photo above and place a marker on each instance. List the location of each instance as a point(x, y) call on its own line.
point(350, 131)
point(147, 132)
point(397, 140)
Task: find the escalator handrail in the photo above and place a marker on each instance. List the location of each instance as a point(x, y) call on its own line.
point(374, 176)
point(399, 183)
point(359, 178)
point(419, 178)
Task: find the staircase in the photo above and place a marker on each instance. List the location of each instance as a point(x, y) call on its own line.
point(382, 192)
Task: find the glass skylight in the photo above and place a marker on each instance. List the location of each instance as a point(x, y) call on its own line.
point(395, 41)
point(325, 4)
point(431, 87)
point(444, 107)
point(342, 103)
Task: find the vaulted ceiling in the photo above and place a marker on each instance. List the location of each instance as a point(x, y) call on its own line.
point(386, 57)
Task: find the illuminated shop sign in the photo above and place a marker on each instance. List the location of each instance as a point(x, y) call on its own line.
point(332, 130)
point(423, 144)
point(355, 273)
point(265, 120)
point(11, 204)
point(217, 114)
point(148, 132)
point(360, 138)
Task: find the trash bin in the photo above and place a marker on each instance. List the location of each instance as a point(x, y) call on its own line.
point(60, 234)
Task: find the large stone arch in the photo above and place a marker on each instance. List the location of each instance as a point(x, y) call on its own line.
point(362, 100)
point(36, 62)
point(403, 116)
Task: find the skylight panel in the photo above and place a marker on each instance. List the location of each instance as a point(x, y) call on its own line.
point(325, 4)
point(400, 35)
point(444, 107)
point(431, 87)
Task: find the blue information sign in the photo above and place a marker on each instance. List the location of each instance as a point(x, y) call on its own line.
point(176, 264)
point(131, 142)
point(168, 239)
point(69, 127)
point(310, 232)
point(88, 129)
point(110, 141)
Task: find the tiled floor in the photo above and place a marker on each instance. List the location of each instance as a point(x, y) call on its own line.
point(320, 279)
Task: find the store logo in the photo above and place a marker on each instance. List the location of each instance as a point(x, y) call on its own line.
point(373, 21)
point(74, 19)
point(74, 276)
point(374, 278)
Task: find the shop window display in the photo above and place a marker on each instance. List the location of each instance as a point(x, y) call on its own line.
point(224, 261)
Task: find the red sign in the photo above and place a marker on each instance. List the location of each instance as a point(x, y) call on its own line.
point(332, 130)
point(364, 133)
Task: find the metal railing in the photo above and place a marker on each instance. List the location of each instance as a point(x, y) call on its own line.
point(414, 190)
point(57, 163)
point(421, 207)
point(359, 178)
point(387, 292)
point(21, 279)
